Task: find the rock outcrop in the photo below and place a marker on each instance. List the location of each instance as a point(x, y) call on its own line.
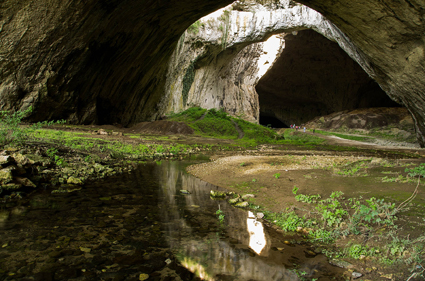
point(390, 35)
point(90, 61)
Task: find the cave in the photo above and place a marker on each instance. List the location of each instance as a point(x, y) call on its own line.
point(271, 121)
point(314, 77)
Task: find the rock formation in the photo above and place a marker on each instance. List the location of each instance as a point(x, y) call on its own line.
point(90, 61)
point(105, 61)
point(208, 69)
point(390, 35)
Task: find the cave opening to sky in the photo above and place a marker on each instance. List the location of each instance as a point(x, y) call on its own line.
point(314, 77)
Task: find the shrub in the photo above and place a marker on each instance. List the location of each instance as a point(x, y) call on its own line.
point(11, 132)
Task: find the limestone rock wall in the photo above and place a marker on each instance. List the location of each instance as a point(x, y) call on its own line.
point(215, 64)
point(91, 61)
point(391, 37)
point(105, 61)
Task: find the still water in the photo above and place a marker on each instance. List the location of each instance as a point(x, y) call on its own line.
point(139, 226)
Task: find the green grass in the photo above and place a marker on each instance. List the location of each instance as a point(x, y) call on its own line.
point(116, 149)
point(191, 114)
point(348, 137)
point(337, 218)
point(218, 124)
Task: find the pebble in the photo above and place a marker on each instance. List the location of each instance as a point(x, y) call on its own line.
point(143, 276)
point(183, 191)
point(356, 275)
point(85, 250)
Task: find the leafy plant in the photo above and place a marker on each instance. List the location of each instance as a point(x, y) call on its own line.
point(416, 171)
point(11, 130)
point(194, 28)
point(276, 176)
point(220, 215)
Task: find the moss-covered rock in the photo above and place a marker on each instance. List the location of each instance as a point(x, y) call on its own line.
point(5, 176)
point(217, 194)
point(74, 180)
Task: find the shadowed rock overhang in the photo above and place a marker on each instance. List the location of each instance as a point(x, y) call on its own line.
point(105, 61)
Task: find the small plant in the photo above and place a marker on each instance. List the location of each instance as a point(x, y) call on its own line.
point(59, 161)
point(417, 171)
point(276, 176)
point(51, 152)
point(254, 180)
point(242, 164)
point(12, 132)
point(220, 215)
point(87, 158)
point(194, 28)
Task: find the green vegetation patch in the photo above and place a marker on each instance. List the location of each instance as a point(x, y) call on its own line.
point(348, 137)
point(218, 124)
point(369, 223)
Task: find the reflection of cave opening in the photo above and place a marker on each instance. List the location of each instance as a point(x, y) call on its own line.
point(315, 77)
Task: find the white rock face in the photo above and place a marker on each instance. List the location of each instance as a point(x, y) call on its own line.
point(219, 60)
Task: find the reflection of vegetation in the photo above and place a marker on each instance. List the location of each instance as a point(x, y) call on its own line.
point(220, 215)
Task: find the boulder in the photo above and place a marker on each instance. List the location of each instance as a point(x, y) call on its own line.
point(74, 180)
point(25, 182)
point(5, 176)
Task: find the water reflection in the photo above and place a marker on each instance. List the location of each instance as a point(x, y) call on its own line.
point(121, 227)
point(257, 237)
point(238, 249)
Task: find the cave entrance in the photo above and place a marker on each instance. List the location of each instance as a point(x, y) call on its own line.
point(269, 120)
point(314, 77)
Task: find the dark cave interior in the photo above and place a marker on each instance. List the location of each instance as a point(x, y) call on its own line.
point(314, 77)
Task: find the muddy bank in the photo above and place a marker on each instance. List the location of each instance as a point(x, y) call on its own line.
point(274, 181)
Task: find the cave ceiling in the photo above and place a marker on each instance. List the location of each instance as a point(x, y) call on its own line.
point(105, 61)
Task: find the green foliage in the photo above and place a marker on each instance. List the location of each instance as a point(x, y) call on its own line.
point(12, 132)
point(52, 153)
point(116, 149)
point(188, 79)
point(357, 251)
point(287, 221)
point(194, 28)
point(348, 137)
point(191, 114)
point(256, 133)
point(307, 198)
point(276, 176)
point(416, 171)
point(353, 168)
point(216, 123)
point(298, 138)
point(220, 215)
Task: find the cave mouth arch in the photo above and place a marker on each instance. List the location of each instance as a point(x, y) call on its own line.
point(313, 77)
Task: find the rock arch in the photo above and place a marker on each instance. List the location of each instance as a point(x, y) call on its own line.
point(219, 55)
point(65, 57)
